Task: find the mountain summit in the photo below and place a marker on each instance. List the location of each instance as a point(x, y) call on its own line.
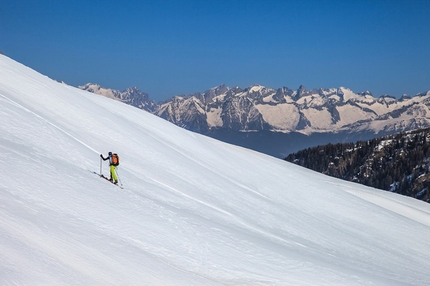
point(194, 210)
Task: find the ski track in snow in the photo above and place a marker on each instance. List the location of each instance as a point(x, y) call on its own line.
point(47, 121)
point(234, 217)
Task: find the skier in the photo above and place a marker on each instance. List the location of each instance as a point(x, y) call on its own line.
point(113, 163)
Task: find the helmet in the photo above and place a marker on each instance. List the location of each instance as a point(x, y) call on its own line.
point(110, 153)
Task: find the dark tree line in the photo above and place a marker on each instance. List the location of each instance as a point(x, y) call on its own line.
point(399, 163)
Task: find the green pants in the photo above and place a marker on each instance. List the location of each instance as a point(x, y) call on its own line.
point(113, 173)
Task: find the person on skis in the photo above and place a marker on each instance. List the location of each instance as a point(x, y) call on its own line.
point(113, 163)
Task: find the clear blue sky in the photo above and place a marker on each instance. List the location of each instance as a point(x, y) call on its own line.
point(167, 48)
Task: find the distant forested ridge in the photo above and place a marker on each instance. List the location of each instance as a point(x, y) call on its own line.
point(398, 163)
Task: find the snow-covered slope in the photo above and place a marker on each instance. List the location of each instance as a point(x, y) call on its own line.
point(194, 211)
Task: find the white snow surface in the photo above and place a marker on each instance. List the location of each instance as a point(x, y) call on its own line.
point(193, 211)
point(214, 117)
point(283, 116)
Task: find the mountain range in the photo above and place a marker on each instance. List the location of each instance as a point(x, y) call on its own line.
point(281, 121)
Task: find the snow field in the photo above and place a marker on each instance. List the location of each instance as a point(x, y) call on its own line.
point(194, 211)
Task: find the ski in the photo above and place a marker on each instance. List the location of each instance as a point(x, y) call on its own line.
point(107, 179)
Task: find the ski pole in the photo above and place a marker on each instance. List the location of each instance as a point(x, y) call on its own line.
point(100, 166)
point(119, 179)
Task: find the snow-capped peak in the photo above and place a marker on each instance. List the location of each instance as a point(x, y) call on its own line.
point(256, 88)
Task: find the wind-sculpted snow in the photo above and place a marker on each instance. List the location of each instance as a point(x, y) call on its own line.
point(194, 211)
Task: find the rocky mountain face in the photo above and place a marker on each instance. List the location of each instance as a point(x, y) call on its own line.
point(306, 111)
point(398, 163)
point(131, 95)
point(318, 116)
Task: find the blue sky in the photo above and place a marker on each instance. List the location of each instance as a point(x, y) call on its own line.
point(167, 48)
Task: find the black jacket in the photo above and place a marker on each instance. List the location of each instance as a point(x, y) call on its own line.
point(109, 157)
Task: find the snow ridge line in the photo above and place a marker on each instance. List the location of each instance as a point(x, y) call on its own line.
point(47, 121)
point(398, 207)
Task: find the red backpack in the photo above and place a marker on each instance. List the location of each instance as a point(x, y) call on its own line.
point(115, 159)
